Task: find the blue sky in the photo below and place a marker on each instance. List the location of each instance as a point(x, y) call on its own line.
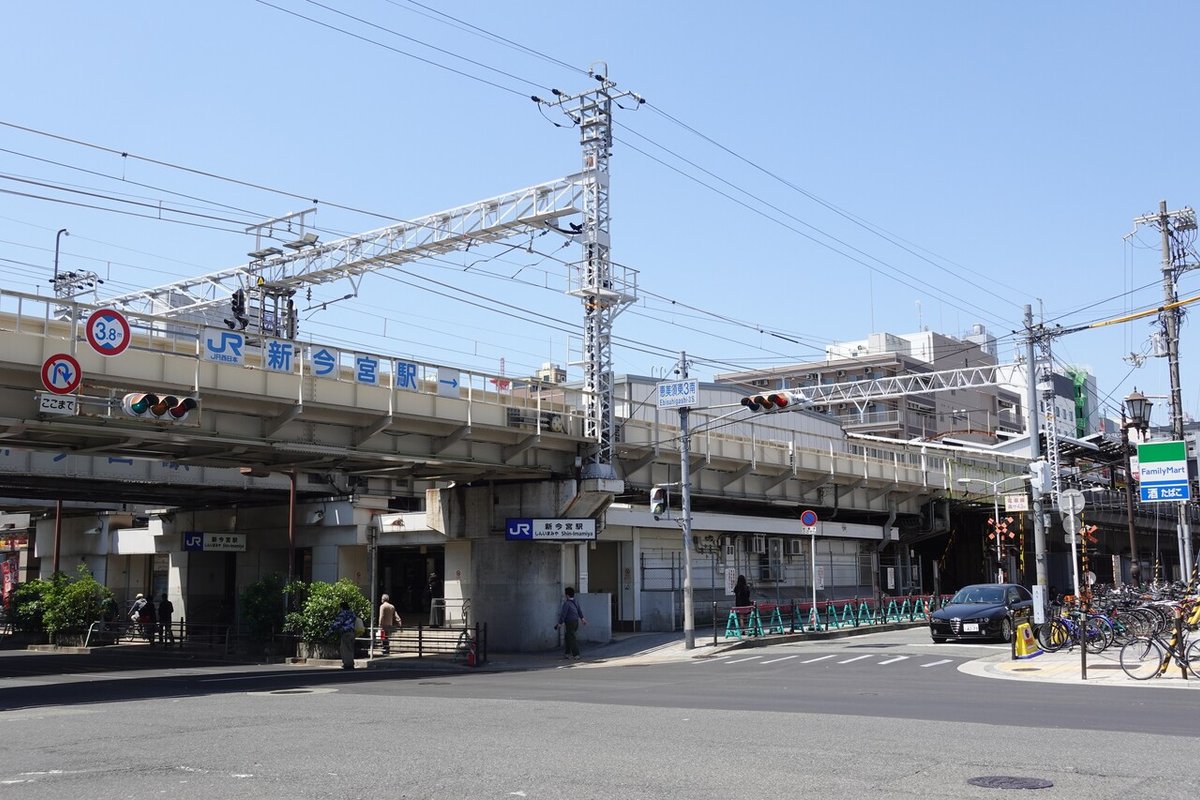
point(876, 167)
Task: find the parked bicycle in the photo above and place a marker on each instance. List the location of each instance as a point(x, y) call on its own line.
point(1095, 633)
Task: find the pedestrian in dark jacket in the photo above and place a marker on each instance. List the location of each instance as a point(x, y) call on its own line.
point(569, 618)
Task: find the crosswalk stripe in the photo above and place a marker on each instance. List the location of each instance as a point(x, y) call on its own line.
point(935, 663)
point(740, 660)
point(856, 658)
point(818, 658)
point(775, 660)
point(893, 660)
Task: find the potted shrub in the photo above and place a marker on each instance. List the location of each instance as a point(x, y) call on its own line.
point(316, 606)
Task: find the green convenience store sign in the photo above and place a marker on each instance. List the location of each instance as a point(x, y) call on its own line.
point(1163, 472)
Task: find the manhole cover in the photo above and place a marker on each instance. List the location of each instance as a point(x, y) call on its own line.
point(1009, 782)
point(433, 683)
point(292, 691)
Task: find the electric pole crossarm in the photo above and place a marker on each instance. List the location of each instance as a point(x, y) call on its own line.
point(524, 211)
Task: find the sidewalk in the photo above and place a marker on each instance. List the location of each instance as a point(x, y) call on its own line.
point(1103, 669)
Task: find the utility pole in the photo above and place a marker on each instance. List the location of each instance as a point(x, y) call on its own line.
point(1033, 425)
point(1174, 251)
point(685, 508)
point(604, 294)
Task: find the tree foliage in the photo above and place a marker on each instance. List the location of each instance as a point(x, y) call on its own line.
point(263, 607)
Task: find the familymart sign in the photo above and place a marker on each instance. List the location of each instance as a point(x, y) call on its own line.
point(1164, 471)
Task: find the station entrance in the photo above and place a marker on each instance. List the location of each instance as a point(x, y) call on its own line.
point(404, 575)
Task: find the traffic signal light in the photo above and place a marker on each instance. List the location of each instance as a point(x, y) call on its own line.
point(1039, 477)
point(167, 407)
point(776, 401)
point(658, 501)
point(237, 305)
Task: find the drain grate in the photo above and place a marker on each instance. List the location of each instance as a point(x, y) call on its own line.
point(1009, 782)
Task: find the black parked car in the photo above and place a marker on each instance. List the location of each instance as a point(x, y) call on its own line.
point(982, 611)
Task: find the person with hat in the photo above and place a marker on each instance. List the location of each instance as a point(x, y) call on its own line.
point(142, 615)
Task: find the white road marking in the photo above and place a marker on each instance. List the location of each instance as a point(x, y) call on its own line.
point(935, 663)
point(775, 660)
point(740, 660)
point(818, 658)
point(893, 660)
point(856, 658)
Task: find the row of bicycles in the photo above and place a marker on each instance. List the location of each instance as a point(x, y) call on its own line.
point(1153, 627)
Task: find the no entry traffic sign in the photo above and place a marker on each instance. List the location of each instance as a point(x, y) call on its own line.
point(108, 332)
point(61, 374)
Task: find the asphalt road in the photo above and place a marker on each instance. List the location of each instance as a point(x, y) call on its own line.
point(886, 715)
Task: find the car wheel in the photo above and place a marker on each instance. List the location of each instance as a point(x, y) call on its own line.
point(1006, 629)
point(938, 639)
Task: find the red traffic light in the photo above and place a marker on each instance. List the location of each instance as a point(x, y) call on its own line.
point(775, 401)
point(149, 405)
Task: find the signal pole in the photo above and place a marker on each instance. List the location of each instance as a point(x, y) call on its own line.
point(685, 508)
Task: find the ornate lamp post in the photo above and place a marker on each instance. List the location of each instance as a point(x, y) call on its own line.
point(1135, 413)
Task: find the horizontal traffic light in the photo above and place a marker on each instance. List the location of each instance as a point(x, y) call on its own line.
point(776, 401)
point(150, 405)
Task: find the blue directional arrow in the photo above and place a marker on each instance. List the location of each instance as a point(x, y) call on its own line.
point(452, 382)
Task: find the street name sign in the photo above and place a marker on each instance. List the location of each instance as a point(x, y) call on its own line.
point(1164, 472)
point(678, 394)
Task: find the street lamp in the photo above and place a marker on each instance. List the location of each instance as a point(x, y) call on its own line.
point(1135, 413)
point(995, 510)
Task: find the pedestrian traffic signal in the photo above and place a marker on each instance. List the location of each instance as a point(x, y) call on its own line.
point(776, 401)
point(167, 407)
point(658, 501)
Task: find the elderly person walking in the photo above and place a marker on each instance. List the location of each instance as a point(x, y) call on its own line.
point(388, 619)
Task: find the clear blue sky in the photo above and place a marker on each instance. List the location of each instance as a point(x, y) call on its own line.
point(1002, 149)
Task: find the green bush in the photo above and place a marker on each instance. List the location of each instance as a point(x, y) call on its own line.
point(318, 603)
point(263, 607)
point(60, 604)
point(28, 605)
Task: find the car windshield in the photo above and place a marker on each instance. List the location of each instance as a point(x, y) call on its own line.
point(979, 594)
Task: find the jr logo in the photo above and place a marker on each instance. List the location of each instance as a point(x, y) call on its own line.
point(224, 346)
point(193, 541)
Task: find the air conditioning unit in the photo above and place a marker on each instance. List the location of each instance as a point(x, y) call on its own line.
point(795, 547)
point(758, 544)
point(841, 373)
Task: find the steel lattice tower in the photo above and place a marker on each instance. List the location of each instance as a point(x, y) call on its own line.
point(604, 294)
